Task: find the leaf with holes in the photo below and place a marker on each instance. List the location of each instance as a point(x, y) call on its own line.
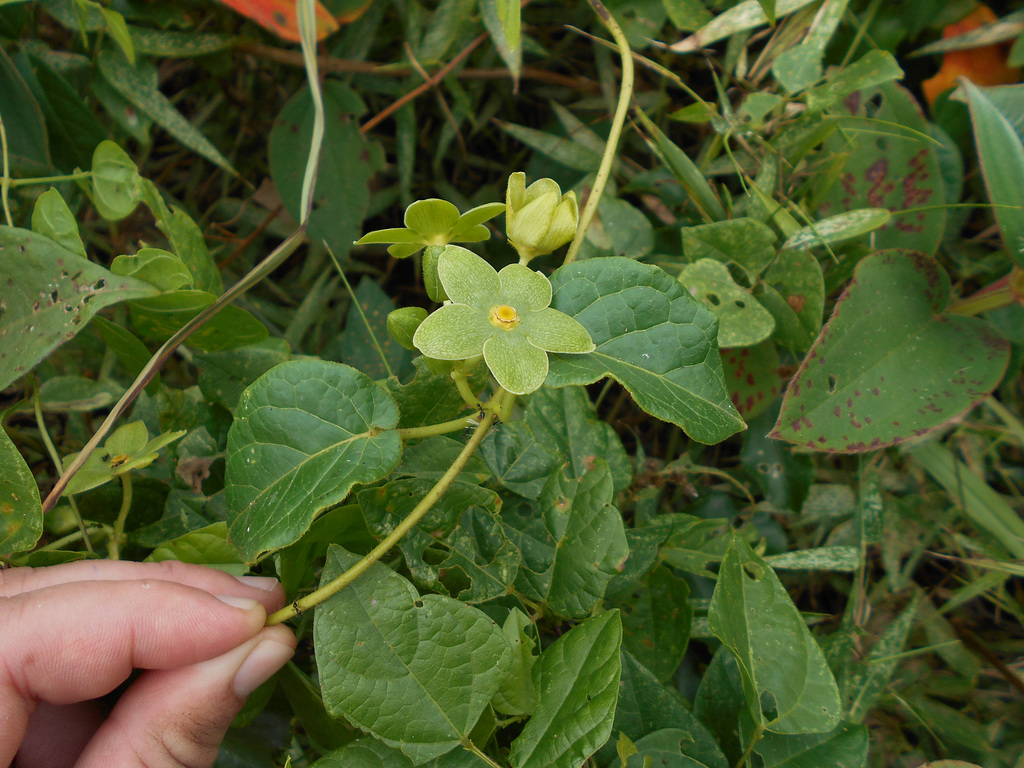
point(458, 547)
point(793, 290)
point(304, 433)
point(889, 365)
point(574, 543)
point(742, 321)
point(786, 681)
point(49, 294)
point(414, 671)
point(888, 170)
point(652, 337)
point(747, 243)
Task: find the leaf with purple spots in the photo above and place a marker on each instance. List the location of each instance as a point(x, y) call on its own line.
point(889, 169)
point(752, 375)
point(889, 365)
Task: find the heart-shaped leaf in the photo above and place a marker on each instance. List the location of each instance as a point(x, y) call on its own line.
point(652, 337)
point(304, 433)
point(414, 671)
point(889, 365)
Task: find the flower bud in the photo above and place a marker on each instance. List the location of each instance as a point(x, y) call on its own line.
point(538, 218)
point(402, 324)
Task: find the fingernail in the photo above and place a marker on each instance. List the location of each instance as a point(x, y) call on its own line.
point(245, 603)
point(266, 583)
point(264, 660)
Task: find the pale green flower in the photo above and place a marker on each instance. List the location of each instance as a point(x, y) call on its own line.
point(503, 316)
point(434, 222)
point(538, 218)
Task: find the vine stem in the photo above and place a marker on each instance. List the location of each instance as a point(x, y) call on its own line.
point(425, 505)
point(469, 746)
point(755, 737)
point(114, 547)
point(605, 169)
point(5, 182)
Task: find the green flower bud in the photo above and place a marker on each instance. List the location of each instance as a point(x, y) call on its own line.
point(402, 324)
point(538, 218)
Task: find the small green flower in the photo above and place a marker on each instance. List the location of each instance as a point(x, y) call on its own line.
point(503, 316)
point(434, 222)
point(538, 218)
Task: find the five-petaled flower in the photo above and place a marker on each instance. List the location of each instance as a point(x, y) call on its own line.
point(503, 316)
point(434, 222)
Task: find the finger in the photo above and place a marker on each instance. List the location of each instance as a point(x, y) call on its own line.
point(16, 581)
point(81, 640)
point(178, 717)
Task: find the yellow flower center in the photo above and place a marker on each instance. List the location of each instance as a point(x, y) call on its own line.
point(505, 317)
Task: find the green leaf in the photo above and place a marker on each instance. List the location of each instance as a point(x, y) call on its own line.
point(574, 546)
point(77, 393)
point(742, 321)
point(207, 546)
point(793, 290)
point(747, 243)
point(28, 147)
point(835, 229)
point(117, 187)
point(577, 680)
point(652, 337)
point(890, 365)
point(304, 433)
point(646, 705)
point(845, 747)
point(618, 229)
point(119, 32)
point(186, 240)
point(837, 558)
point(414, 671)
point(1002, 163)
point(431, 398)
point(786, 681)
point(669, 747)
point(687, 15)
point(159, 268)
point(721, 705)
point(367, 752)
point(186, 45)
point(458, 547)
point(132, 353)
point(890, 163)
point(49, 295)
point(347, 164)
point(162, 316)
point(223, 376)
point(52, 218)
point(873, 68)
point(745, 15)
point(559, 427)
point(656, 621)
point(21, 512)
point(139, 87)
point(503, 22)
point(517, 694)
point(366, 335)
point(562, 150)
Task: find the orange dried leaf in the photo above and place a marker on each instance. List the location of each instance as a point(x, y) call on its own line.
point(280, 18)
point(985, 65)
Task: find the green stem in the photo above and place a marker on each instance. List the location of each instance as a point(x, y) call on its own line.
point(426, 503)
point(1002, 293)
point(756, 737)
point(5, 182)
point(51, 179)
point(55, 458)
point(416, 433)
point(113, 548)
point(605, 169)
point(461, 379)
point(469, 746)
point(71, 538)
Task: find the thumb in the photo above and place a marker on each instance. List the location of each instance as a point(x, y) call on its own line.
point(171, 718)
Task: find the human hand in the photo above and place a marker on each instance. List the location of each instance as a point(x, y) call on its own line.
point(73, 633)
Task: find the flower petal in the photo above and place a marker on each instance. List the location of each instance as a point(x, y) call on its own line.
point(518, 366)
point(467, 279)
point(476, 234)
point(433, 218)
point(532, 222)
point(476, 216)
point(515, 196)
point(453, 332)
point(403, 250)
point(555, 331)
point(396, 235)
point(542, 187)
point(524, 289)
